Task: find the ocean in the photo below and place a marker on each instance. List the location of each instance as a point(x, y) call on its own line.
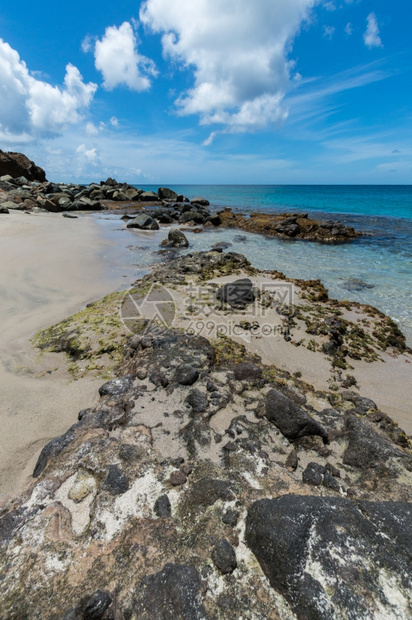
point(375, 269)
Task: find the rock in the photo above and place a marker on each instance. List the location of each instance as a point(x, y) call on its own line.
point(4, 209)
point(366, 448)
point(247, 371)
point(291, 420)
point(70, 215)
point(144, 222)
point(292, 461)
point(132, 194)
point(238, 294)
point(198, 401)
point(165, 193)
point(9, 523)
point(314, 474)
point(116, 483)
point(97, 606)
point(116, 386)
point(163, 507)
point(8, 204)
point(200, 201)
point(335, 558)
point(148, 197)
point(177, 478)
point(172, 593)
point(186, 374)
point(176, 239)
point(6, 178)
point(231, 517)
point(53, 449)
point(17, 164)
point(224, 557)
point(214, 219)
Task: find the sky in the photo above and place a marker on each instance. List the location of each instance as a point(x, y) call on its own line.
point(210, 91)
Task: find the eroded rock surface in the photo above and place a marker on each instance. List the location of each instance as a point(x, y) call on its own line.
point(206, 484)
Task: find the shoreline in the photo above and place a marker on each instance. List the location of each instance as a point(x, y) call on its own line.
point(54, 269)
point(20, 386)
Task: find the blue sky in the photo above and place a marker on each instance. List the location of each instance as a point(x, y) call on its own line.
point(210, 91)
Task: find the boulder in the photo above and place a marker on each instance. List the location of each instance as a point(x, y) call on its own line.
point(17, 165)
point(144, 222)
point(292, 421)
point(200, 201)
point(176, 239)
point(4, 209)
point(238, 294)
point(335, 558)
point(165, 193)
point(148, 197)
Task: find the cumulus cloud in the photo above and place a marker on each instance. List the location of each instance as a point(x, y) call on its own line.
point(89, 155)
point(29, 106)
point(371, 36)
point(238, 51)
point(117, 58)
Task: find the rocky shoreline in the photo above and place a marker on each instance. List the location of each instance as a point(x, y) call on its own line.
point(208, 484)
point(31, 192)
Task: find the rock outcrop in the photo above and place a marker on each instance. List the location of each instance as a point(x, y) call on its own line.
point(206, 484)
point(18, 165)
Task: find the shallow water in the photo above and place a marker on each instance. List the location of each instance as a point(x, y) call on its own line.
point(381, 260)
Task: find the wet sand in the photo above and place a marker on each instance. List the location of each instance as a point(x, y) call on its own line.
point(51, 267)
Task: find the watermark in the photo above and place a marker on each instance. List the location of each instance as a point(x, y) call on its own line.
point(237, 308)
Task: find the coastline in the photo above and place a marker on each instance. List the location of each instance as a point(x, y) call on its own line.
point(207, 430)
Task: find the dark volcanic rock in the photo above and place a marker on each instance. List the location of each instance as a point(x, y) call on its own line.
point(172, 593)
point(163, 507)
point(237, 294)
point(116, 483)
point(116, 386)
point(334, 558)
point(144, 222)
point(367, 448)
point(246, 371)
point(314, 474)
point(97, 605)
point(17, 165)
point(53, 449)
point(186, 374)
point(224, 557)
point(198, 401)
point(291, 420)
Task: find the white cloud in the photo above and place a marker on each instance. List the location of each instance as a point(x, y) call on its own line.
point(328, 31)
point(371, 36)
point(238, 51)
point(91, 129)
point(349, 29)
point(29, 106)
point(90, 155)
point(114, 122)
point(116, 56)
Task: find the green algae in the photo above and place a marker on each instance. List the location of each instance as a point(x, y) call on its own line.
point(85, 337)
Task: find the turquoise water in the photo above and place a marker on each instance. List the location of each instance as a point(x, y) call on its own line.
point(382, 259)
point(372, 200)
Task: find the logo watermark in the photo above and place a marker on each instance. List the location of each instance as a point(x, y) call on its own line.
point(211, 310)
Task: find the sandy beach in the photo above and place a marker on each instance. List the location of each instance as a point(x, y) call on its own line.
point(55, 266)
point(52, 267)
